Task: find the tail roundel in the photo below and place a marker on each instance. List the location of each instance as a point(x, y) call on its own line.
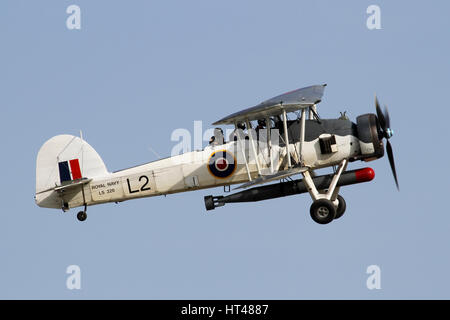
point(63, 160)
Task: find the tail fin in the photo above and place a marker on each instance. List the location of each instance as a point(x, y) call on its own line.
point(61, 160)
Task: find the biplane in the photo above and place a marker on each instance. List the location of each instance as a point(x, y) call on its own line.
point(263, 154)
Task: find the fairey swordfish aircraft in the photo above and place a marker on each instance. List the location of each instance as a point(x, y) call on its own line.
point(70, 173)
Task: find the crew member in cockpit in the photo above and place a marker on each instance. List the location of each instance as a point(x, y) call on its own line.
point(217, 139)
point(240, 127)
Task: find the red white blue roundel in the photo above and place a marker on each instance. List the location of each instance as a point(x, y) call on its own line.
point(221, 164)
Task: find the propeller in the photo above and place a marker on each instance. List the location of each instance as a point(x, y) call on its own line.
point(387, 132)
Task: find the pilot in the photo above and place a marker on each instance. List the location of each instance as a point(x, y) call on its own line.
point(240, 127)
point(217, 139)
point(218, 133)
point(261, 125)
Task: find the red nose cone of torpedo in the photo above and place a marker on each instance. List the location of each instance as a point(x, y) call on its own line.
point(364, 175)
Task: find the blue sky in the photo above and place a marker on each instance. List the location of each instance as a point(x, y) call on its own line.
point(138, 70)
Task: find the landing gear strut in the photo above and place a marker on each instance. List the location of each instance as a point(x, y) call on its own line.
point(82, 215)
point(327, 205)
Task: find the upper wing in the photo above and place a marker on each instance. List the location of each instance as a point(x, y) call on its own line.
point(290, 101)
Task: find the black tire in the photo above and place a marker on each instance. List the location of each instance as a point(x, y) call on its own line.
point(209, 203)
point(322, 211)
point(81, 216)
point(341, 207)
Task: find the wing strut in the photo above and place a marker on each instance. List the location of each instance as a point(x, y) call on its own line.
point(269, 143)
point(243, 151)
point(302, 136)
point(310, 113)
point(286, 137)
point(250, 135)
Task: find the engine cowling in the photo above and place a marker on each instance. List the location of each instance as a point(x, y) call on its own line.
point(370, 137)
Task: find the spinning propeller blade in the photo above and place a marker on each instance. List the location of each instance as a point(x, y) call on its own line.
point(385, 124)
point(391, 162)
point(380, 115)
point(387, 119)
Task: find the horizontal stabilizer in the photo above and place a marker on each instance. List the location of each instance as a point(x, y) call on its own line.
point(68, 185)
point(72, 184)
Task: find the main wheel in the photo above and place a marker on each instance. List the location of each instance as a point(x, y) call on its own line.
point(341, 207)
point(82, 215)
point(322, 211)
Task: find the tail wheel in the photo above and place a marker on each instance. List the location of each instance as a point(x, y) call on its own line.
point(82, 215)
point(323, 211)
point(341, 207)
